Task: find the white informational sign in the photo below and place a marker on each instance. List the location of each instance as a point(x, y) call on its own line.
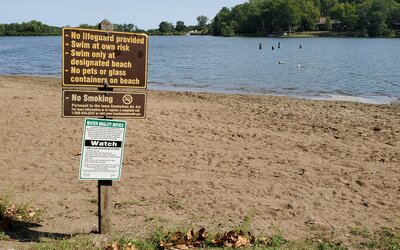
point(102, 149)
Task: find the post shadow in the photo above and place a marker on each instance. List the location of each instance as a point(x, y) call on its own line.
point(22, 231)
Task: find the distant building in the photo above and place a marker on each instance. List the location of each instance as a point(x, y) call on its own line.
point(194, 32)
point(321, 23)
point(336, 24)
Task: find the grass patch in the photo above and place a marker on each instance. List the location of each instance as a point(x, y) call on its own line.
point(3, 236)
point(385, 238)
point(79, 242)
point(245, 226)
point(90, 242)
point(175, 205)
point(363, 232)
point(180, 240)
point(155, 219)
point(12, 215)
point(22, 212)
point(310, 245)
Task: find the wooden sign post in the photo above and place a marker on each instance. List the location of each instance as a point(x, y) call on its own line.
point(104, 59)
point(104, 187)
point(105, 206)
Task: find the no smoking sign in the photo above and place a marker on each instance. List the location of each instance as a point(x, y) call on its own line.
point(127, 99)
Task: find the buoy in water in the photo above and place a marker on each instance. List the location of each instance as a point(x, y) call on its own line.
point(280, 62)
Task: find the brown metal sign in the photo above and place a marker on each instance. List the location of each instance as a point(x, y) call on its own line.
point(79, 103)
point(98, 58)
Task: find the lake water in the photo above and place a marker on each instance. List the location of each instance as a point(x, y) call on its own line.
point(358, 69)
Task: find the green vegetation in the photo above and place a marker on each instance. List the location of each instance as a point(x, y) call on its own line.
point(36, 28)
point(385, 238)
point(372, 18)
point(10, 213)
point(168, 28)
point(182, 240)
point(84, 242)
point(363, 232)
point(274, 17)
point(32, 28)
point(126, 27)
point(18, 219)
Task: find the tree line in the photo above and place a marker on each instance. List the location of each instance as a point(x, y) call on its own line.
point(32, 28)
point(37, 28)
point(168, 28)
point(266, 17)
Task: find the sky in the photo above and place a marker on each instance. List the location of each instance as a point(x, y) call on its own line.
point(145, 14)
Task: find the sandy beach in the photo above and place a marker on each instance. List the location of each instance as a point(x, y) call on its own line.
point(202, 159)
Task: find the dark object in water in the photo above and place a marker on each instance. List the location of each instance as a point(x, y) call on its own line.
point(300, 47)
point(260, 46)
point(279, 45)
point(273, 48)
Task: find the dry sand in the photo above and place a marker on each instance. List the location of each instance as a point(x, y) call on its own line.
point(203, 159)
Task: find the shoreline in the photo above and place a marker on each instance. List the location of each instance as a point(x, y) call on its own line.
point(305, 34)
point(378, 100)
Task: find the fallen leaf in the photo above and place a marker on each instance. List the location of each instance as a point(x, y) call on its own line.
point(115, 245)
point(241, 241)
point(227, 244)
point(190, 235)
point(178, 237)
point(130, 246)
point(202, 234)
point(182, 247)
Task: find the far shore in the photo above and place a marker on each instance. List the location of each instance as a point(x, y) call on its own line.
point(305, 34)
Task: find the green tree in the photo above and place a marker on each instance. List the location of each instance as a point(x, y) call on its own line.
point(201, 22)
point(87, 26)
point(2, 29)
point(317, 4)
point(31, 28)
point(261, 17)
point(378, 15)
point(287, 15)
point(219, 19)
point(378, 26)
point(268, 17)
point(239, 14)
point(227, 29)
point(363, 15)
point(309, 16)
point(165, 27)
point(126, 27)
point(328, 24)
point(394, 13)
point(346, 13)
point(326, 6)
point(180, 26)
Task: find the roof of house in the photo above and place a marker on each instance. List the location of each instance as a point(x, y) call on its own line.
point(322, 21)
